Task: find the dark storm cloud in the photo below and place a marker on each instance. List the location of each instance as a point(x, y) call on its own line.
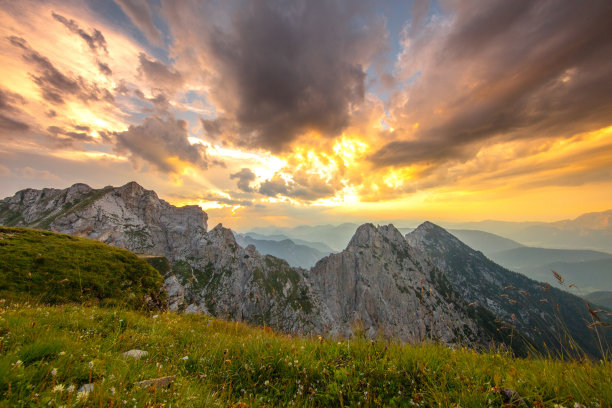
point(159, 74)
point(282, 69)
point(244, 176)
point(95, 40)
point(158, 140)
point(140, 13)
point(54, 84)
point(503, 71)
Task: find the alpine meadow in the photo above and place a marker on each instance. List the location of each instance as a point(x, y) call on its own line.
point(309, 203)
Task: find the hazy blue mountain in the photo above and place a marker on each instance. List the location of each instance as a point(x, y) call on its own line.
point(589, 270)
point(484, 242)
point(601, 298)
point(587, 275)
point(334, 236)
point(530, 257)
point(319, 246)
point(296, 255)
point(515, 299)
point(588, 231)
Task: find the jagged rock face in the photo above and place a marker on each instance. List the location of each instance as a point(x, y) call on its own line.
point(211, 273)
point(128, 217)
point(389, 288)
point(420, 287)
point(226, 280)
point(540, 313)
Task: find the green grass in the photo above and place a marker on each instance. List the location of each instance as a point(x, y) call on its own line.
point(47, 350)
point(65, 321)
point(55, 268)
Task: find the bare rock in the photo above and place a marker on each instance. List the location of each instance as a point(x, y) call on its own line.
point(162, 382)
point(137, 354)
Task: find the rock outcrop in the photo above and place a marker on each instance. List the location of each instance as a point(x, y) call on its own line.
point(388, 288)
point(427, 285)
point(543, 317)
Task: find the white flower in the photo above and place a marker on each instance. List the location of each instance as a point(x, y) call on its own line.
point(54, 372)
point(18, 363)
point(58, 388)
point(155, 316)
point(70, 388)
point(82, 395)
point(112, 390)
point(90, 364)
point(266, 383)
point(185, 358)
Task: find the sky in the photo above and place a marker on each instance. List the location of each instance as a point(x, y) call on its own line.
point(290, 112)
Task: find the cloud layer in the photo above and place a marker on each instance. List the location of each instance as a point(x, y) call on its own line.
point(500, 71)
point(271, 109)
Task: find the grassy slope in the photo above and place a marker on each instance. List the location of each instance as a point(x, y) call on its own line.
point(219, 363)
point(56, 268)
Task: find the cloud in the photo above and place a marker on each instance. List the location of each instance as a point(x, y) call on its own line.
point(305, 187)
point(104, 68)
point(244, 176)
point(227, 201)
point(30, 173)
point(54, 84)
point(9, 120)
point(80, 134)
point(95, 40)
point(159, 141)
point(278, 71)
point(9, 99)
point(11, 124)
point(6, 172)
point(496, 73)
point(159, 74)
point(140, 13)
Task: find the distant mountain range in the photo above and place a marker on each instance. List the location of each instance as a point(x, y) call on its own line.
point(601, 298)
point(303, 256)
point(589, 270)
point(427, 285)
point(588, 231)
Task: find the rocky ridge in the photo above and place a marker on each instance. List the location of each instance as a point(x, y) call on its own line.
point(422, 286)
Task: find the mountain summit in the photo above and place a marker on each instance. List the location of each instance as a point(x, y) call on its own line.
point(427, 285)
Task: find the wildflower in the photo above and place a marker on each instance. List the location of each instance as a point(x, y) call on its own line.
point(90, 365)
point(266, 383)
point(185, 358)
point(112, 390)
point(82, 396)
point(18, 363)
point(58, 388)
point(54, 372)
point(62, 353)
point(70, 388)
point(155, 316)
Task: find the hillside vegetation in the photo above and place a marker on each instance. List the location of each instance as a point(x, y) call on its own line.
point(49, 353)
point(53, 268)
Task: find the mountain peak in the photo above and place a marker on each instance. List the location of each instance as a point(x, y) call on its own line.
point(368, 235)
point(430, 234)
point(132, 187)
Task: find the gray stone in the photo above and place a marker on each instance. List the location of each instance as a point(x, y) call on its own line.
point(137, 354)
point(162, 382)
